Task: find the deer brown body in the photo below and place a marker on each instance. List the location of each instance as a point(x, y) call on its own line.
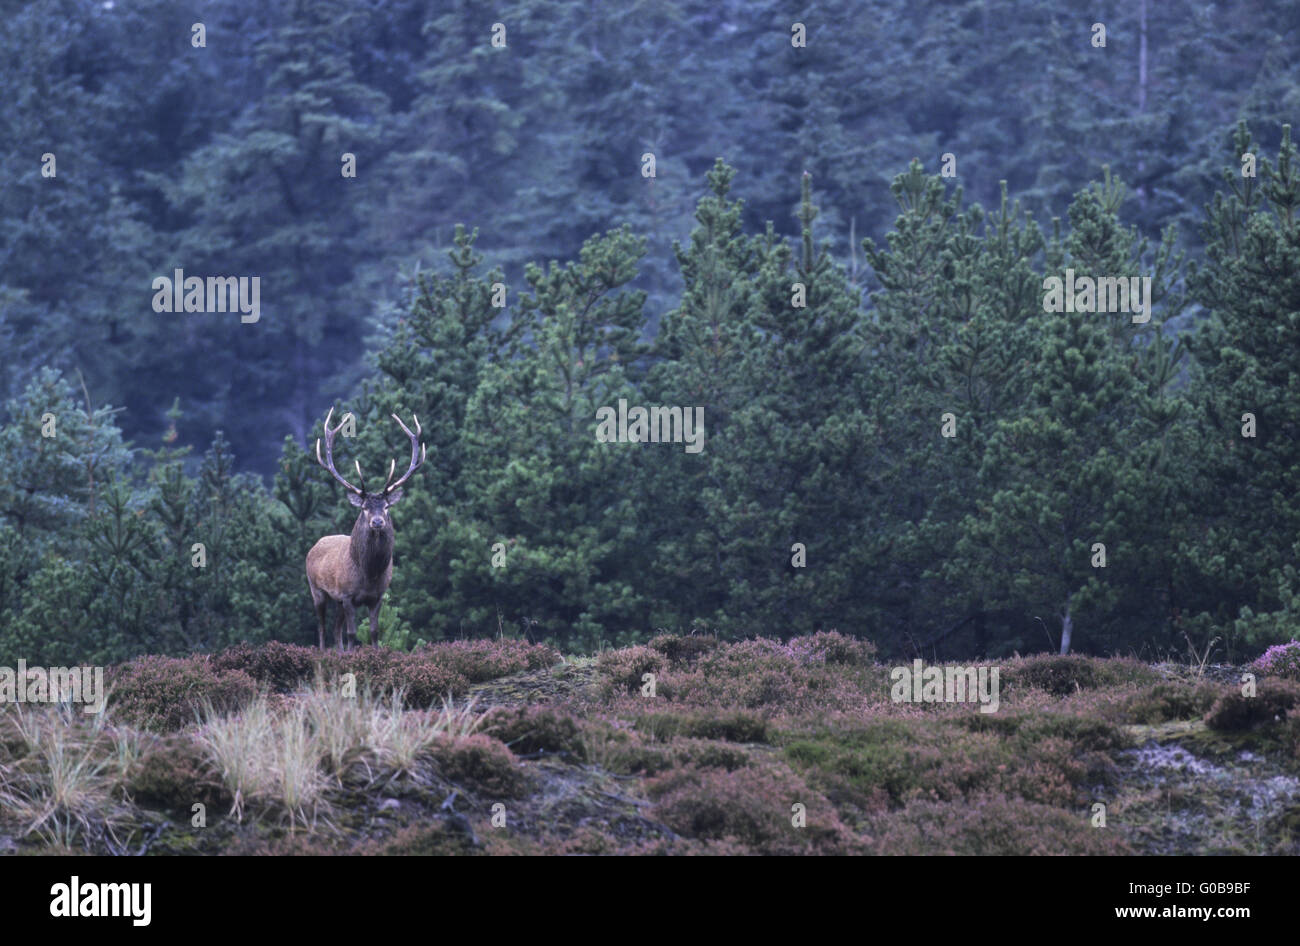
point(354, 570)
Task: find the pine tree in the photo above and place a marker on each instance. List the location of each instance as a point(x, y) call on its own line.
point(1059, 479)
point(431, 362)
point(537, 479)
point(701, 364)
point(950, 349)
point(1248, 387)
point(792, 465)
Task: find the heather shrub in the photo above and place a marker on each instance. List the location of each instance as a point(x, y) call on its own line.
point(620, 671)
point(830, 673)
point(481, 660)
point(633, 752)
point(1085, 732)
point(481, 764)
point(426, 683)
point(529, 729)
point(748, 674)
point(752, 807)
point(750, 653)
point(1272, 700)
point(1065, 675)
point(174, 775)
point(420, 840)
point(430, 672)
point(1169, 700)
point(601, 839)
point(1002, 723)
point(623, 751)
point(374, 667)
point(166, 693)
point(586, 840)
point(593, 841)
point(421, 676)
point(1059, 676)
point(891, 762)
point(990, 825)
point(737, 726)
point(706, 754)
point(832, 647)
point(872, 766)
point(1280, 660)
point(636, 758)
point(1118, 671)
point(1052, 752)
point(683, 648)
point(279, 666)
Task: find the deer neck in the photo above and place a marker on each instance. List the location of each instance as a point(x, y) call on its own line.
point(372, 550)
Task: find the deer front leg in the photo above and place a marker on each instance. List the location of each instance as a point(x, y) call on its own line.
point(351, 627)
point(374, 622)
point(343, 626)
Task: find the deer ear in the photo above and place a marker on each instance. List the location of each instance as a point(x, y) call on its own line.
point(392, 498)
point(354, 499)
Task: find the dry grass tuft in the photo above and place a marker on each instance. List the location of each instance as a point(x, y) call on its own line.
point(63, 786)
point(283, 757)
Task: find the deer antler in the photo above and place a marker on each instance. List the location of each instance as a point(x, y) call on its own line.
point(328, 462)
point(418, 452)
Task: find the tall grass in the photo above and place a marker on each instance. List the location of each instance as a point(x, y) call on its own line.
point(284, 759)
point(236, 745)
point(63, 787)
point(298, 780)
point(399, 737)
point(341, 728)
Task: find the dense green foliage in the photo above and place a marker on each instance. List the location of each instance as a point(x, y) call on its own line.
point(227, 159)
point(828, 493)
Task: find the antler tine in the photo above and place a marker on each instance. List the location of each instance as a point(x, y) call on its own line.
point(406, 430)
point(418, 454)
point(328, 439)
point(328, 462)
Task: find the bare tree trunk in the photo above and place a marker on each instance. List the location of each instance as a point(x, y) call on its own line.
point(1142, 88)
point(1142, 57)
point(1067, 627)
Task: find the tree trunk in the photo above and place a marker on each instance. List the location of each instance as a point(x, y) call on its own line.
point(1067, 628)
point(1142, 57)
point(1142, 90)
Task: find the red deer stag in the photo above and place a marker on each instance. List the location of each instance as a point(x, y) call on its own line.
point(355, 569)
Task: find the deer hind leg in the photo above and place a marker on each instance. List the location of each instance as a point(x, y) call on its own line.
point(320, 602)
